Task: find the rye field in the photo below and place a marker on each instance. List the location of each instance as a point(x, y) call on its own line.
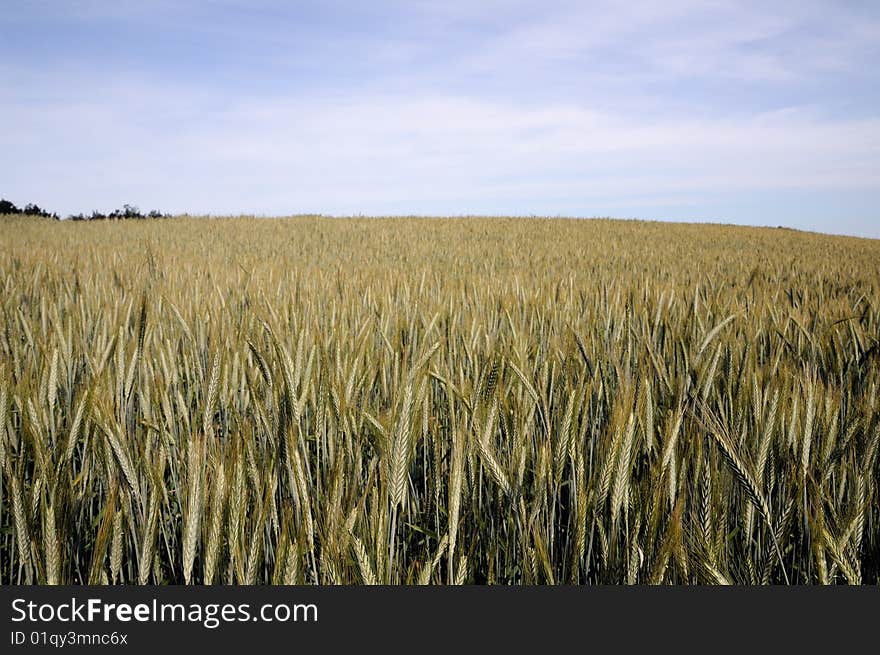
point(437, 401)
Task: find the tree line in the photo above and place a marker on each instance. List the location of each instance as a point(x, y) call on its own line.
point(30, 209)
point(126, 212)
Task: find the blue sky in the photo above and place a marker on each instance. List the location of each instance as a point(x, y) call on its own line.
point(739, 112)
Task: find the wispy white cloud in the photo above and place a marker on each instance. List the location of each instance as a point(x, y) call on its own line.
point(326, 153)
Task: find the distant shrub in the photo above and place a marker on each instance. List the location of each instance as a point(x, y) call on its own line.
point(127, 212)
point(7, 207)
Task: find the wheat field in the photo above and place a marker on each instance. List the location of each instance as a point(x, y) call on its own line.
point(437, 401)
